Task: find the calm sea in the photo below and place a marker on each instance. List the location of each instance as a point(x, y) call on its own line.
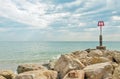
point(12, 53)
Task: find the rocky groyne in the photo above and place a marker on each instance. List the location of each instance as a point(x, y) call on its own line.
point(86, 64)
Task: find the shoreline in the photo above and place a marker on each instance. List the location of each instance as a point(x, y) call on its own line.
point(83, 64)
point(13, 64)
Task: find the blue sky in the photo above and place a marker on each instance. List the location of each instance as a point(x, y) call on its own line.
point(58, 20)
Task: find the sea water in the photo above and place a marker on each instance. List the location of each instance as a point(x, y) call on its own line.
point(14, 53)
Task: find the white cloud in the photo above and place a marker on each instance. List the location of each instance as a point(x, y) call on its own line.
point(82, 24)
point(77, 36)
point(31, 14)
point(114, 12)
point(113, 5)
point(63, 31)
point(91, 29)
point(68, 5)
point(74, 3)
point(112, 37)
point(116, 18)
point(76, 15)
point(69, 16)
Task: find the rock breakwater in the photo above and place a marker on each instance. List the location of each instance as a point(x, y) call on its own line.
point(86, 64)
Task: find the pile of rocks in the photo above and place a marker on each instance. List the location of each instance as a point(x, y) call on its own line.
point(90, 63)
point(87, 64)
point(6, 74)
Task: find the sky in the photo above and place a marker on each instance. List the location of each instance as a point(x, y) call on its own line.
point(59, 20)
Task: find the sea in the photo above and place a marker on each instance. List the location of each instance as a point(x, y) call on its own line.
point(18, 52)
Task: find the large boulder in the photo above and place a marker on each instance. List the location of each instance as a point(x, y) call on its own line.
point(96, 53)
point(94, 60)
point(109, 54)
point(29, 67)
point(8, 74)
point(1, 77)
point(92, 56)
point(38, 74)
point(66, 63)
point(113, 55)
point(99, 71)
point(80, 54)
point(116, 57)
point(75, 74)
point(116, 74)
point(115, 65)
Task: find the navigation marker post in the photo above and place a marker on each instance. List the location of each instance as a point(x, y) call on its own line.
point(101, 24)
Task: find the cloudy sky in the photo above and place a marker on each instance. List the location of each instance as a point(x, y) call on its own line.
point(58, 20)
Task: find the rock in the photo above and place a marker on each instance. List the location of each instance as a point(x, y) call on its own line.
point(117, 57)
point(38, 74)
point(25, 76)
point(1, 77)
point(8, 74)
point(96, 53)
point(51, 64)
point(66, 63)
point(113, 55)
point(99, 71)
point(114, 64)
point(116, 74)
point(46, 65)
point(94, 60)
point(88, 50)
point(110, 54)
point(75, 74)
point(80, 54)
point(29, 67)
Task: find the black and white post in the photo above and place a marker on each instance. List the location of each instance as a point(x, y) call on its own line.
point(101, 24)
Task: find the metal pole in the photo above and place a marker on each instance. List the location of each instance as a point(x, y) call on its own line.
point(100, 37)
